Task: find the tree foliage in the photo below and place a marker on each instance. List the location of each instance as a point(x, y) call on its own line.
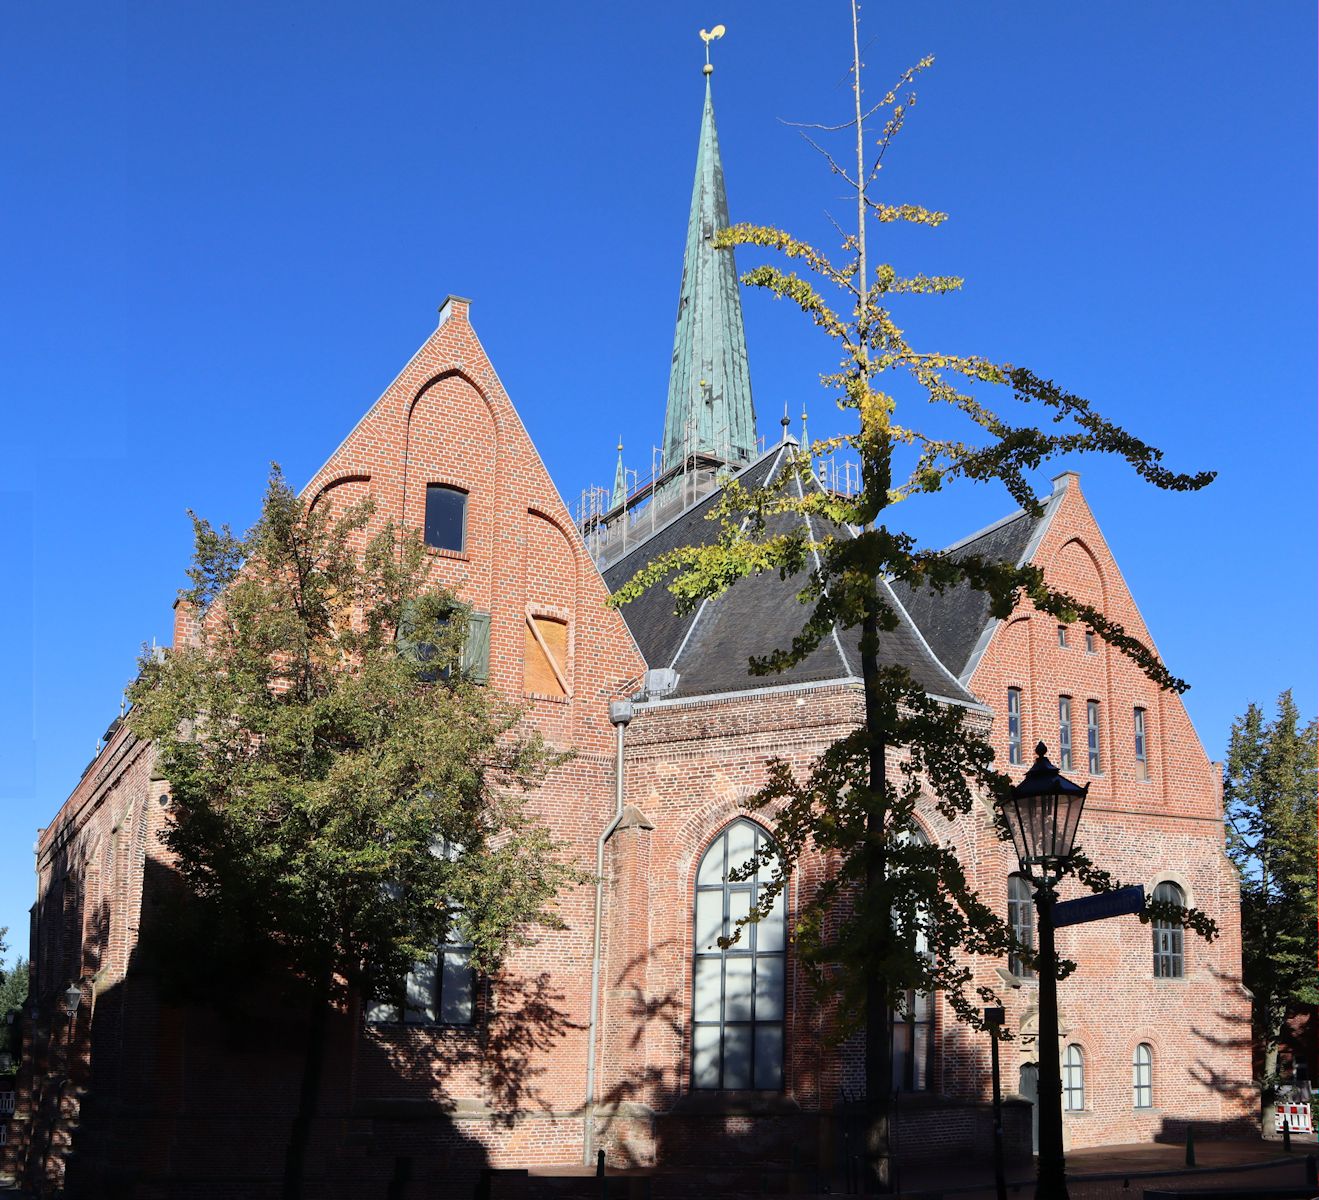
point(323, 746)
point(13, 986)
point(1269, 809)
point(893, 914)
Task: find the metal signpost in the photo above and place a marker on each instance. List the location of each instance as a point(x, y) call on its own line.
point(994, 1022)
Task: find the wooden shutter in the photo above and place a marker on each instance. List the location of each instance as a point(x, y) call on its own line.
point(546, 657)
point(476, 652)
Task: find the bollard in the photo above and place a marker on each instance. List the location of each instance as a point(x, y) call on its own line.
point(1311, 1171)
point(1190, 1146)
point(1286, 1136)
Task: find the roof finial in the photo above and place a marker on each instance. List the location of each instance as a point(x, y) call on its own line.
point(805, 441)
point(786, 421)
point(707, 37)
point(620, 479)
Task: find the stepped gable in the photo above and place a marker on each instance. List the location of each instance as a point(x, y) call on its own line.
point(956, 622)
point(711, 647)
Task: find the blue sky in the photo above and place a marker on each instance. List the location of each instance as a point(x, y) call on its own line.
point(228, 225)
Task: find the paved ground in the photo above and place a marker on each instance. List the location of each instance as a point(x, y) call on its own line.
point(1123, 1172)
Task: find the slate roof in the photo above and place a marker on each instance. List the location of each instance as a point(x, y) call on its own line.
point(956, 623)
point(710, 647)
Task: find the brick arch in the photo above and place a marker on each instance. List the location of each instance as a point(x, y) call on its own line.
point(551, 563)
point(453, 372)
point(1171, 875)
point(336, 482)
point(452, 434)
point(692, 839)
point(1076, 570)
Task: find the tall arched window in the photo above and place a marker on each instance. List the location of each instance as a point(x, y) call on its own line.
point(1021, 917)
point(1073, 1079)
point(1142, 1077)
point(1169, 958)
point(913, 1027)
point(737, 994)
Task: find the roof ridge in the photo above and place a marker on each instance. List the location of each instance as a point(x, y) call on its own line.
point(700, 612)
point(819, 566)
point(678, 516)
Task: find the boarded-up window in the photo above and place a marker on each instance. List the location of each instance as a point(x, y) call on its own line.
point(546, 657)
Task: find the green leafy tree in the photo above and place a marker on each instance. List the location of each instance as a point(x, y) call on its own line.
point(896, 915)
point(326, 753)
point(13, 986)
point(13, 995)
point(1269, 809)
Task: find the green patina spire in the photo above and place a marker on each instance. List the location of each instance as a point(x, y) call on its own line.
point(709, 382)
point(620, 480)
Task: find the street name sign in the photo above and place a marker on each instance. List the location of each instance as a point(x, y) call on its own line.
point(1096, 908)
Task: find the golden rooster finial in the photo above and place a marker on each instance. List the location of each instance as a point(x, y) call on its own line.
point(708, 36)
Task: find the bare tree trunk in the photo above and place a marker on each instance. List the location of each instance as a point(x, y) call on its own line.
point(879, 1051)
point(313, 1062)
point(1268, 1113)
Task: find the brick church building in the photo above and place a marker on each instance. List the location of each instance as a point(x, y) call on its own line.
point(629, 1030)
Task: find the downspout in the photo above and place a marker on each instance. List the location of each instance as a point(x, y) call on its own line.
point(620, 713)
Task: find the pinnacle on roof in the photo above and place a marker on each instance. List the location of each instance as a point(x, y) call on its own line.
point(709, 407)
point(620, 480)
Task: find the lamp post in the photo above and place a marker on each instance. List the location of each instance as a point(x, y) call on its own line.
point(1042, 814)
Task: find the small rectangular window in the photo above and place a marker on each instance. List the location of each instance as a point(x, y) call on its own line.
point(446, 517)
point(1089, 641)
point(414, 642)
point(1014, 725)
point(1064, 733)
point(1092, 733)
point(1062, 635)
point(1142, 762)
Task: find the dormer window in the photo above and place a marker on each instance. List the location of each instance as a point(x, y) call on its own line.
point(446, 517)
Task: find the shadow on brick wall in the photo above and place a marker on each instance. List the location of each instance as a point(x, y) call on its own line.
point(179, 1079)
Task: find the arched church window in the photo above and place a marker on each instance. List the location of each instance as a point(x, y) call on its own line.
point(1073, 1079)
point(737, 994)
point(912, 1026)
point(1169, 951)
point(1021, 917)
point(1142, 1077)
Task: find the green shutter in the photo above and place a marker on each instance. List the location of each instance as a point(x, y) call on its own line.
point(476, 653)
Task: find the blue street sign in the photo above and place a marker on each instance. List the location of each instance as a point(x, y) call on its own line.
point(1096, 908)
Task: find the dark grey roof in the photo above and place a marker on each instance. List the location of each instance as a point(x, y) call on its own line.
point(956, 622)
point(711, 647)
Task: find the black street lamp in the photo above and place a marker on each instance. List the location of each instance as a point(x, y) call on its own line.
point(1042, 814)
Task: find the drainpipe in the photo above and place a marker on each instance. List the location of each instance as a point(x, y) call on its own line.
point(620, 713)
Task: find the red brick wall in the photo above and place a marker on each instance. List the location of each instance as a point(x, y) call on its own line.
point(1165, 827)
point(511, 1089)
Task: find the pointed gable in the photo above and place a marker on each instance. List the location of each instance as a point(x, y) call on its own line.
point(443, 450)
